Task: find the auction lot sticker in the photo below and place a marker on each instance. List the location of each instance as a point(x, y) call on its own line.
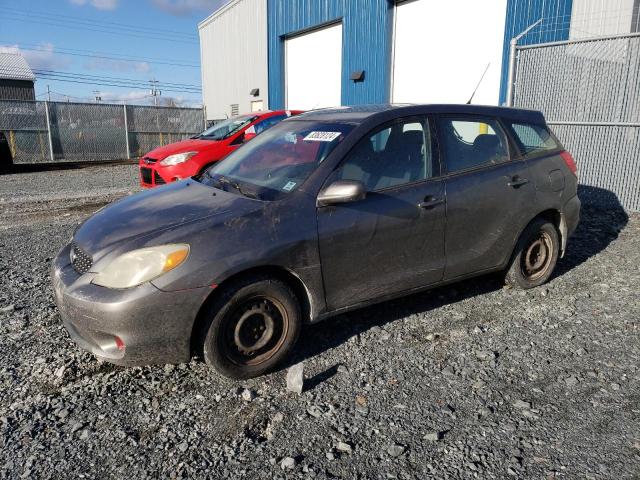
point(322, 136)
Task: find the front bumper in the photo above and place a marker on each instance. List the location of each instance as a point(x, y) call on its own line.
point(154, 174)
point(155, 326)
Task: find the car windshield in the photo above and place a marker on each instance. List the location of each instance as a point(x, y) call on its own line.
point(226, 128)
point(277, 161)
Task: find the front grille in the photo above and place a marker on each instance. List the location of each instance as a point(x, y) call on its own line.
point(149, 161)
point(146, 174)
point(80, 259)
point(158, 179)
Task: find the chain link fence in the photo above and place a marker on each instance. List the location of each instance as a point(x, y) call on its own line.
point(589, 91)
point(40, 132)
point(152, 126)
point(25, 128)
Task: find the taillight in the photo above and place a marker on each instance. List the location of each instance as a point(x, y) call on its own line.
point(571, 163)
point(119, 343)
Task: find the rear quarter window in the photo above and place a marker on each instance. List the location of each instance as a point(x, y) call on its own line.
point(534, 138)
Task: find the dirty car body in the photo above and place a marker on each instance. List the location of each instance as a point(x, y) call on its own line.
point(349, 207)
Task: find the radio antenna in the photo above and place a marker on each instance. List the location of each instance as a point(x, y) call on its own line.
point(478, 85)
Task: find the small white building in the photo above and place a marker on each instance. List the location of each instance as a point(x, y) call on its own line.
point(233, 55)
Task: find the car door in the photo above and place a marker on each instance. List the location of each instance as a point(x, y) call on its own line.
point(489, 195)
point(393, 240)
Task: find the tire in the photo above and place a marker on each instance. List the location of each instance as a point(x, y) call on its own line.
point(535, 256)
point(251, 327)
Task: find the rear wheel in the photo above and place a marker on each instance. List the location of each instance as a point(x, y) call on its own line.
point(535, 256)
point(251, 327)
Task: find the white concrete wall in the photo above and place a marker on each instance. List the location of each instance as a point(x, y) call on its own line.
point(597, 18)
point(233, 57)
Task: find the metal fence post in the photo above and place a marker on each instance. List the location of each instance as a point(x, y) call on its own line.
point(204, 115)
point(513, 59)
point(512, 71)
point(126, 131)
point(46, 111)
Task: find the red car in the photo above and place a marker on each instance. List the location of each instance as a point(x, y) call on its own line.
point(189, 157)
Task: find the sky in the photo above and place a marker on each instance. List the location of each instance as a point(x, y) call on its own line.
point(120, 44)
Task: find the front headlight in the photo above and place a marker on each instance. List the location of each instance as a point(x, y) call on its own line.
point(140, 266)
point(177, 158)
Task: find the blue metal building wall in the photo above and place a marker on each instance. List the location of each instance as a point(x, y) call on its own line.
point(367, 31)
point(556, 15)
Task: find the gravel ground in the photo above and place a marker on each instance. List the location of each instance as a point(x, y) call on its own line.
point(471, 380)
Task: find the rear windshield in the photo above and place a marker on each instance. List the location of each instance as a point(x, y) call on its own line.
point(534, 138)
point(226, 128)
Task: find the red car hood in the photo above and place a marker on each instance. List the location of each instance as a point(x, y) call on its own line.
point(190, 145)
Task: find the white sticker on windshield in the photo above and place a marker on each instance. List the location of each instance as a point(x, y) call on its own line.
point(290, 137)
point(322, 136)
point(289, 186)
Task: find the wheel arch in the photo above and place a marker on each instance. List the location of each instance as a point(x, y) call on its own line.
point(553, 216)
point(557, 219)
point(277, 272)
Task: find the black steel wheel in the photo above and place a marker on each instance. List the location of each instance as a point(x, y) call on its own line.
point(251, 327)
point(535, 256)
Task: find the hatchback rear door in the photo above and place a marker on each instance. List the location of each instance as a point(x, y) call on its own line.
point(393, 240)
point(489, 196)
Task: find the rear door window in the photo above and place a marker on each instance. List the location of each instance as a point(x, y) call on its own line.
point(534, 138)
point(468, 143)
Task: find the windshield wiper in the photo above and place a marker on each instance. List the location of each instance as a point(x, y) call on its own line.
point(226, 181)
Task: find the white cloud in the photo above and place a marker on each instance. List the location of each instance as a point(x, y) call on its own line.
point(187, 7)
point(43, 59)
point(117, 65)
point(99, 4)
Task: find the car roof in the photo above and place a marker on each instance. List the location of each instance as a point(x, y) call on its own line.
point(360, 113)
point(269, 113)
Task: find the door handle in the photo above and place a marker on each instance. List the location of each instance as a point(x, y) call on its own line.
point(517, 181)
point(430, 202)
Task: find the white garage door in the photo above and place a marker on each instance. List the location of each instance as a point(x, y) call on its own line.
point(442, 48)
point(313, 69)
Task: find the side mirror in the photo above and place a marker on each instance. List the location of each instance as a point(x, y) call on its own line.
point(341, 191)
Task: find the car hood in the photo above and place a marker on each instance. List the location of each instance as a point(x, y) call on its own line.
point(189, 145)
point(157, 210)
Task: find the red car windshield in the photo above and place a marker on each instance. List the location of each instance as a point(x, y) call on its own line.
point(277, 161)
point(226, 128)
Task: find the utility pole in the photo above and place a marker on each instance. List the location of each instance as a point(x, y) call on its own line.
point(154, 91)
point(48, 93)
point(98, 98)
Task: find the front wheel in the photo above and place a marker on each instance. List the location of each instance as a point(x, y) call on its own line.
point(251, 327)
point(535, 256)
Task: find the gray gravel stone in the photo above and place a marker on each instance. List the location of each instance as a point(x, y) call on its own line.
point(432, 436)
point(287, 463)
point(248, 395)
point(295, 378)
point(378, 379)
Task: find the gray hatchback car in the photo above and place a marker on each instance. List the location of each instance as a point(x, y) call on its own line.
point(325, 212)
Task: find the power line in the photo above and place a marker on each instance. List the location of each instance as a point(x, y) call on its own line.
point(105, 23)
point(108, 78)
point(101, 55)
point(104, 84)
point(59, 23)
point(111, 81)
point(121, 85)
